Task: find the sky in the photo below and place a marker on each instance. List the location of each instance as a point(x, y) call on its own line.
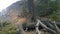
point(5, 3)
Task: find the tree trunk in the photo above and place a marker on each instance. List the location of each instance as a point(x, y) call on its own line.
point(31, 8)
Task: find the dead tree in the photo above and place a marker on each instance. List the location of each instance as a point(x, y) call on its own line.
point(53, 28)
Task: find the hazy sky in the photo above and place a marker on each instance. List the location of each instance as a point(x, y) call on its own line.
point(5, 3)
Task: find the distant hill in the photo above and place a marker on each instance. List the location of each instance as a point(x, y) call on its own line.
point(12, 10)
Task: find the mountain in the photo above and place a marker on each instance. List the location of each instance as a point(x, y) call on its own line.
point(11, 11)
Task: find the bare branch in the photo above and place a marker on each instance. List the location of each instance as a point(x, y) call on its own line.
point(43, 25)
point(37, 28)
point(56, 27)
